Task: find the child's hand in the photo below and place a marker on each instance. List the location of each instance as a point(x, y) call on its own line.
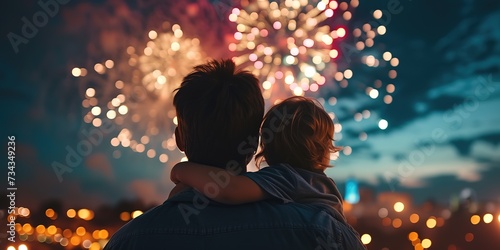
point(174, 173)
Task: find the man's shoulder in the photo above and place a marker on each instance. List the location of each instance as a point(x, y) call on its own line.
point(199, 210)
point(194, 206)
point(133, 229)
point(194, 215)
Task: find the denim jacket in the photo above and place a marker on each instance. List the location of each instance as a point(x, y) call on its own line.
point(190, 220)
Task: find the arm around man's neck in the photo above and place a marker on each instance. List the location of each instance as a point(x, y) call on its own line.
point(236, 190)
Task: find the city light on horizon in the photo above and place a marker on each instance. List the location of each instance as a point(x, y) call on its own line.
point(399, 206)
point(488, 218)
point(475, 219)
point(95, 238)
point(366, 239)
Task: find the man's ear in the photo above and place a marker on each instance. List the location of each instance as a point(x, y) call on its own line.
point(179, 140)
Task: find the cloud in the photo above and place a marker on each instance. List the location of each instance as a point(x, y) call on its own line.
point(463, 127)
point(486, 150)
point(410, 172)
point(468, 175)
point(413, 183)
point(486, 142)
point(462, 145)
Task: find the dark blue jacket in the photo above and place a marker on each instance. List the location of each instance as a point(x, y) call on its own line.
point(189, 220)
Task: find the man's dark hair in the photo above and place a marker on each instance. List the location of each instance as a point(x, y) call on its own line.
point(218, 109)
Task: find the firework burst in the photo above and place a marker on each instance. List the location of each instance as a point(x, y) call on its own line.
point(287, 42)
point(141, 96)
point(312, 48)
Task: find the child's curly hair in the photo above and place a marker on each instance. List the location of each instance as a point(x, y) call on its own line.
point(299, 132)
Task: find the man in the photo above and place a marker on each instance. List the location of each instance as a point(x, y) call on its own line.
point(219, 111)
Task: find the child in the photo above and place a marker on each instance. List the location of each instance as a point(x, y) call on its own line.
point(297, 140)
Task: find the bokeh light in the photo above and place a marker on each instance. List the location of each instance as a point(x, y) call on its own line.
point(426, 243)
point(397, 223)
point(366, 239)
point(469, 237)
point(399, 206)
point(71, 213)
point(414, 218)
point(413, 236)
point(103, 234)
point(431, 222)
point(382, 124)
point(488, 218)
point(50, 213)
point(125, 216)
point(136, 213)
point(475, 219)
point(383, 212)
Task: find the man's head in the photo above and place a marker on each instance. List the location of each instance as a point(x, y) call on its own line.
point(218, 108)
point(299, 132)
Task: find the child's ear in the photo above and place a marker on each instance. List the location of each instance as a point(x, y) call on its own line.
point(179, 140)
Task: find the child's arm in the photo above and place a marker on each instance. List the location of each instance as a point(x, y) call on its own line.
point(206, 179)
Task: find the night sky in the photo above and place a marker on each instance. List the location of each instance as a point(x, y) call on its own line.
point(443, 131)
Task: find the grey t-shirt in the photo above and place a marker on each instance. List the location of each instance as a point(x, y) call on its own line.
point(289, 184)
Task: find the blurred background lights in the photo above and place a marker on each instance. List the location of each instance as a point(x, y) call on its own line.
point(383, 212)
point(488, 218)
point(399, 206)
point(382, 124)
point(76, 72)
point(351, 191)
point(414, 218)
point(71, 213)
point(413, 236)
point(366, 239)
point(397, 223)
point(431, 222)
point(85, 214)
point(347, 150)
point(475, 219)
point(426, 243)
point(136, 214)
point(469, 237)
point(103, 234)
point(125, 216)
point(50, 213)
point(373, 93)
